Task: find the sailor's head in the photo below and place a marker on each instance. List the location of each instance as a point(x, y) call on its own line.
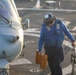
point(49, 18)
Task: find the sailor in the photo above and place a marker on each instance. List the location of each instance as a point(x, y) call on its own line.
point(52, 37)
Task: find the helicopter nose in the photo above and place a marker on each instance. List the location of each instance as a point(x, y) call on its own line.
point(11, 38)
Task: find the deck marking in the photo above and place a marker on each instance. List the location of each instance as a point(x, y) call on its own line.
point(20, 61)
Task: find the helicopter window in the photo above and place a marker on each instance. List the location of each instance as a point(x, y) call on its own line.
point(8, 11)
point(1, 5)
point(2, 20)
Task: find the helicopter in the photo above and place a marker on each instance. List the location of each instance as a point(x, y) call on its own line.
point(11, 35)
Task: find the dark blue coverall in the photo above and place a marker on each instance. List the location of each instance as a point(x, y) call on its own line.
point(52, 37)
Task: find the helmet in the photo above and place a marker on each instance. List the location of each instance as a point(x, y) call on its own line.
point(49, 18)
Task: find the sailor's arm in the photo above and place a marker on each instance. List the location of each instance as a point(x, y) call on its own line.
point(40, 43)
point(69, 35)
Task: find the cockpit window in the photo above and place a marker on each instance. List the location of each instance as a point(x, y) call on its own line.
point(3, 20)
point(7, 10)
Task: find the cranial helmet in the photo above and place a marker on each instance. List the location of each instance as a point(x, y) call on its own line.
point(49, 18)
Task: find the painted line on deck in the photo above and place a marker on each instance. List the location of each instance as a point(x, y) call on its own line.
point(74, 29)
point(20, 61)
point(63, 10)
